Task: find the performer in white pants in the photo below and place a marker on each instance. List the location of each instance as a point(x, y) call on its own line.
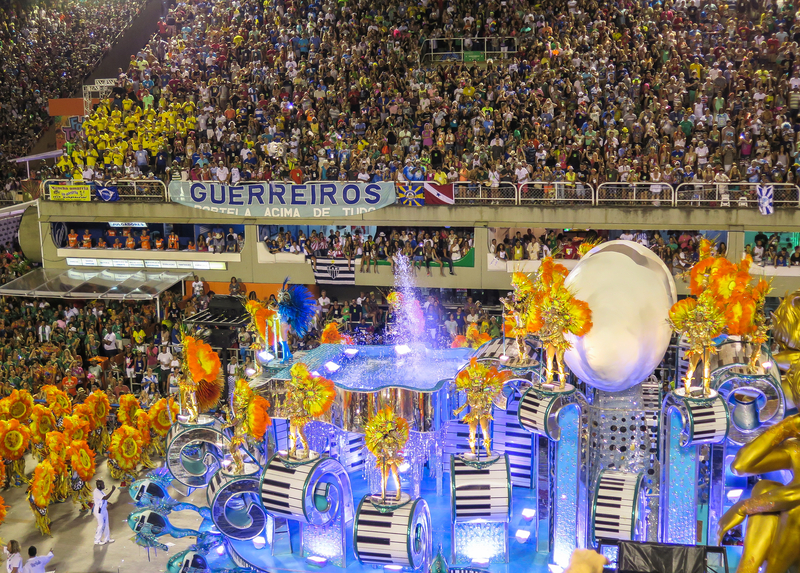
point(100, 511)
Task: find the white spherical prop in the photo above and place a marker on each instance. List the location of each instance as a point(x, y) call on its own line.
point(630, 292)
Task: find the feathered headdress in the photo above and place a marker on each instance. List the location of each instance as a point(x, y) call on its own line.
point(296, 306)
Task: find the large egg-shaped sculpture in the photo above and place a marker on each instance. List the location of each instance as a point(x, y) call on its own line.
point(630, 292)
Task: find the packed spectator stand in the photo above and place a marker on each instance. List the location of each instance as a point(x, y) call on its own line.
point(48, 49)
point(593, 93)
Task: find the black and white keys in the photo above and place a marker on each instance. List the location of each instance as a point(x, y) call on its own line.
point(616, 511)
point(401, 536)
point(708, 421)
point(480, 492)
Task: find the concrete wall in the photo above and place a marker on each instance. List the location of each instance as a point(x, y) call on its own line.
point(734, 221)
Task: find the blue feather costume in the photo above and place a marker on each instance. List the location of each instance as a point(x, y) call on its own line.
point(296, 307)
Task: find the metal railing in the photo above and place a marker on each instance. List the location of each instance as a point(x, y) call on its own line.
point(555, 192)
point(642, 194)
point(735, 195)
point(467, 49)
point(129, 190)
point(639, 194)
point(473, 193)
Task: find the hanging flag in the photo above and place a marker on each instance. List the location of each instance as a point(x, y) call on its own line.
point(410, 194)
point(334, 272)
point(766, 194)
point(439, 194)
point(109, 193)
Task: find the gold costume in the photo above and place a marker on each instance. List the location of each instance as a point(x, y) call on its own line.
point(386, 436)
point(482, 384)
point(786, 332)
point(773, 509)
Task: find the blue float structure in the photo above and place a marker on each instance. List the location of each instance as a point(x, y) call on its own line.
point(572, 466)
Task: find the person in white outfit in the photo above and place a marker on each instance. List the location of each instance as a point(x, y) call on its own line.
point(100, 511)
point(36, 564)
point(13, 557)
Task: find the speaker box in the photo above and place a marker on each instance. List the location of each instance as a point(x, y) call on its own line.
point(224, 304)
point(221, 338)
point(660, 558)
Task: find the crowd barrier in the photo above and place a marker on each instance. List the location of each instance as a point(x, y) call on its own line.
point(128, 190)
point(552, 193)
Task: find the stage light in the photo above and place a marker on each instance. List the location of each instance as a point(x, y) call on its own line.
point(351, 352)
point(402, 349)
point(316, 561)
point(221, 550)
point(404, 467)
point(522, 535)
point(225, 463)
point(315, 373)
point(734, 495)
point(332, 366)
point(555, 568)
point(259, 542)
point(265, 356)
point(767, 365)
point(480, 561)
point(528, 513)
point(249, 371)
point(504, 358)
point(393, 567)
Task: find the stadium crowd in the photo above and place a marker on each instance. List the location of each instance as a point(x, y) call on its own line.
point(678, 249)
point(422, 246)
point(48, 49)
point(666, 92)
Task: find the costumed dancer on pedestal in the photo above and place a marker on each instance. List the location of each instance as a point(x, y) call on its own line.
point(549, 310)
point(263, 323)
point(723, 301)
point(307, 397)
point(296, 309)
point(201, 379)
point(483, 384)
point(249, 420)
point(386, 436)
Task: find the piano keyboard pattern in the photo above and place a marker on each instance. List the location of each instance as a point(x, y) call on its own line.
point(615, 512)
point(283, 488)
point(352, 458)
point(537, 410)
point(399, 537)
point(239, 561)
point(517, 442)
point(651, 395)
point(456, 438)
point(494, 350)
point(222, 489)
point(708, 422)
point(735, 357)
point(480, 493)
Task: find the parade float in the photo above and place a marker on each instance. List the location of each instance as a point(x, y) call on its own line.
point(589, 424)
